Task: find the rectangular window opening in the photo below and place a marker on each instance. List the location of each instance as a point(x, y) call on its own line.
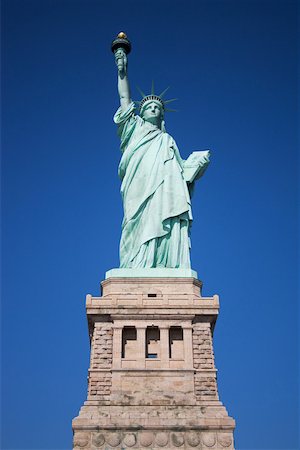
point(129, 342)
point(152, 342)
point(176, 343)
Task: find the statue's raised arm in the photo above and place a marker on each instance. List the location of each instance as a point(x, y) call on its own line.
point(121, 47)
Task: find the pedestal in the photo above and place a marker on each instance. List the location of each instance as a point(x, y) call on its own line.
point(152, 379)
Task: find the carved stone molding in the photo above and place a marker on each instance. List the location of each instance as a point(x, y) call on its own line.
point(153, 439)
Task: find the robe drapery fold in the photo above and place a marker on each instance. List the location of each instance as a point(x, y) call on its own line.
point(156, 200)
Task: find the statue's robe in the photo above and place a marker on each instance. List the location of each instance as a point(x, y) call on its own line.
point(156, 200)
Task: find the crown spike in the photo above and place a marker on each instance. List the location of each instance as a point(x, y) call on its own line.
point(152, 88)
point(171, 100)
point(141, 92)
point(163, 92)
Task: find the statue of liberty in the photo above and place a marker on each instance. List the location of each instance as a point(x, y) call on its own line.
point(156, 182)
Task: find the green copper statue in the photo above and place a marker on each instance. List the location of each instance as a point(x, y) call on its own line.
point(156, 181)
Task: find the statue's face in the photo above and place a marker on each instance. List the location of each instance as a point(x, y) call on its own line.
point(152, 113)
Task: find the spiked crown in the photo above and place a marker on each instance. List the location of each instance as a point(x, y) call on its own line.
point(154, 98)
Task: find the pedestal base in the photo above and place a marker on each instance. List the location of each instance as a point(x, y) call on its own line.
point(155, 272)
point(152, 378)
point(153, 427)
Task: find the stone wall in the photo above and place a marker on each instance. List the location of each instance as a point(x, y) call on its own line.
point(205, 374)
point(100, 379)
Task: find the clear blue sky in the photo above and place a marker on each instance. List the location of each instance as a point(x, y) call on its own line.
point(233, 67)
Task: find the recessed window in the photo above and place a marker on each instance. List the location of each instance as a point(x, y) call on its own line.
point(152, 295)
point(176, 343)
point(152, 342)
point(129, 343)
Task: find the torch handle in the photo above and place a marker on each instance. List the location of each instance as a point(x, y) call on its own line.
point(121, 59)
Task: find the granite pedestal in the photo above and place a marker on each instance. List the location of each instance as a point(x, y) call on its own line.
point(152, 379)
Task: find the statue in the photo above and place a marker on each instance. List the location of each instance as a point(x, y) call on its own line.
point(156, 182)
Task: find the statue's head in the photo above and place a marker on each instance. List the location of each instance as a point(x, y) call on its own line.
point(152, 108)
point(152, 111)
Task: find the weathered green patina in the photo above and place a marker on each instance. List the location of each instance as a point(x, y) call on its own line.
point(156, 183)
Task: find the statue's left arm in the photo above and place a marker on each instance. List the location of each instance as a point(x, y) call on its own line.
point(195, 166)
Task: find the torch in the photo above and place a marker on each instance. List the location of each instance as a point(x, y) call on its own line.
point(121, 42)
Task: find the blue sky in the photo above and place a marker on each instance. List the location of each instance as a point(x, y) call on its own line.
point(233, 67)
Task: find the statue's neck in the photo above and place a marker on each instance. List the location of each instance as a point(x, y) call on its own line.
point(154, 121)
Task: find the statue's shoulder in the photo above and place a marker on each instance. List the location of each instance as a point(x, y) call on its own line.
point(123, 115)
